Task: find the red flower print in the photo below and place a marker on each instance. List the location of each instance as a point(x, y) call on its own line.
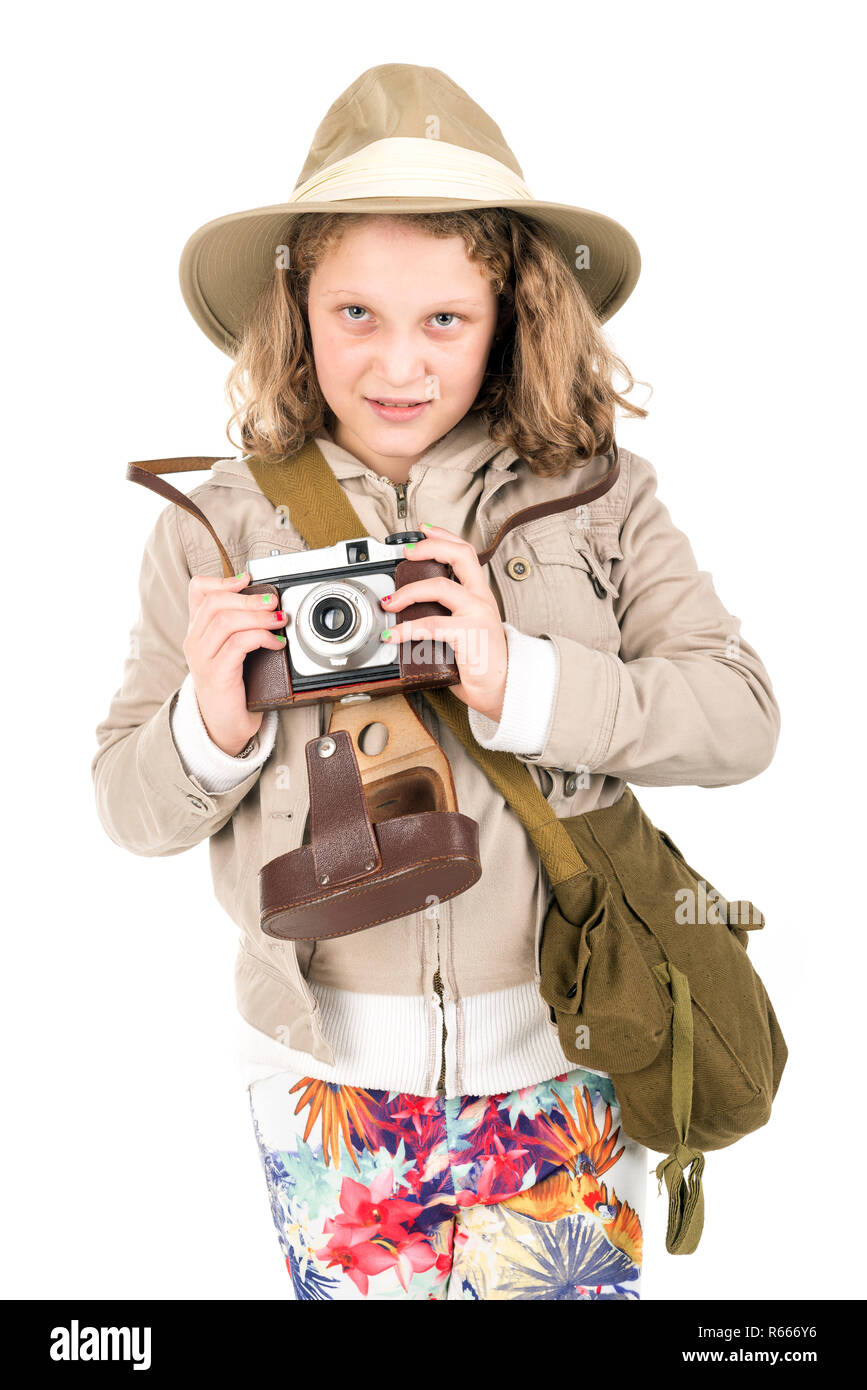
point(357, 1258)
point(370, 1235)
point(500, 1162)
point(415, 1108)
point(373, 1211)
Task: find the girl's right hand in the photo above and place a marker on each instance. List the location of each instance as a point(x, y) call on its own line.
point(224, 626)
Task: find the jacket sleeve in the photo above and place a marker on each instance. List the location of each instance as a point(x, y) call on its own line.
point(145, 799)
point(687, 700)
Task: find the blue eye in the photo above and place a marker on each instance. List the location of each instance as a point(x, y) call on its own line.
point(353, 306)
point(446, 315)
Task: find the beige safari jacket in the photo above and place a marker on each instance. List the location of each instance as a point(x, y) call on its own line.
point(655, 686)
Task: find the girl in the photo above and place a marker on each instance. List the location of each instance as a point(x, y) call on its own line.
point(427, 323)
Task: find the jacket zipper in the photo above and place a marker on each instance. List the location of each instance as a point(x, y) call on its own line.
point(400, 491)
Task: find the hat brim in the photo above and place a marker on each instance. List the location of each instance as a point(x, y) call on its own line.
point(225, 265)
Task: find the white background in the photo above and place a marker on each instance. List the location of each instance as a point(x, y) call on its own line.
point(728, 140)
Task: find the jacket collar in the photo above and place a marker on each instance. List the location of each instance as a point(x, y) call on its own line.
point(466, 446)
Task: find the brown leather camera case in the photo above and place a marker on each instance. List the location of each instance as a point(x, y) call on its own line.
point(379, 848)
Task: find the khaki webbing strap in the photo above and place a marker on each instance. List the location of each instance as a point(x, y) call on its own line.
point(514, 782)
point(318, 506)
point(685, 1195)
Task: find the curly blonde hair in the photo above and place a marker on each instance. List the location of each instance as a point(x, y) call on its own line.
point(547, 392)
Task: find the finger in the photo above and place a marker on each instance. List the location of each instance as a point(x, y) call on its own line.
point(470, 642)
point(453, 551)
point(203, 584)
point(217, 600)
point(226, 621)
point(222, 672)
point(249, 639)
point(437, 589)
point(441, 532)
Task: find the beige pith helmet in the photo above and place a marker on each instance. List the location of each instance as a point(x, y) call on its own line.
point(401, 138)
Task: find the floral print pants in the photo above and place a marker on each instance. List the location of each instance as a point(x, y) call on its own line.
point(535, 1194)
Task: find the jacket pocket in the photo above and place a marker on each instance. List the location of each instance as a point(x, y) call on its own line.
point(287, 967)
point(600, 551)
point(576, 589)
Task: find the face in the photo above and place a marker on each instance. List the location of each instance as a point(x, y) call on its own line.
point(397, 314)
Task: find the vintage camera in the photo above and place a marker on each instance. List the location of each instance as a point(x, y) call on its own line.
point(332, 601)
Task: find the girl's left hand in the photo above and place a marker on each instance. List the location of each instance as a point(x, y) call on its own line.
point(472, 627)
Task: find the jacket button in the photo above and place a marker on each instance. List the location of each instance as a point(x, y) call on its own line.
point(570, 786)
point(518, 567)
point(570, 993)
point(198, 803)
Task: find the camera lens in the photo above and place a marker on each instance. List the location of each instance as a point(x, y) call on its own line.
point(337, 625)
point(332, 618)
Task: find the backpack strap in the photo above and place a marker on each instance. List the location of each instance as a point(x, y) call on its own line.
point(685, 1195)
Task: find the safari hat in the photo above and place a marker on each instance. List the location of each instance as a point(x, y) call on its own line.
point(401, 138)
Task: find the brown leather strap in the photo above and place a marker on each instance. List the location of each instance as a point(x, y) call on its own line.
point(341, 832)
point(559, 504)
point(146, 472)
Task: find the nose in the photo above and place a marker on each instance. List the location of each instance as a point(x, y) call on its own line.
point(399, 364)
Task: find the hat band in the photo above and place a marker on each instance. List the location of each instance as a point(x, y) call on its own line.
point(408, 166)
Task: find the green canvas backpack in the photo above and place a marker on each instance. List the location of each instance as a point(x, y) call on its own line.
point(645, 970)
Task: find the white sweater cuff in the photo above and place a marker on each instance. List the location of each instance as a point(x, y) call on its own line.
point(214, 770)
point(528, 704)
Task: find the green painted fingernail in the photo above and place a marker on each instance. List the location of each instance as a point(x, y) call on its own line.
point(426, 526)
point(280, 637)
point(240, 574)
point(385, 634)
point(266, 598)
point(409, 544)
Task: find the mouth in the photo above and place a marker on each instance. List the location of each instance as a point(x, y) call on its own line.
point(397, 408)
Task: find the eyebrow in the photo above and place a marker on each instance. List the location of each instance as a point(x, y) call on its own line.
point(446, 299)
